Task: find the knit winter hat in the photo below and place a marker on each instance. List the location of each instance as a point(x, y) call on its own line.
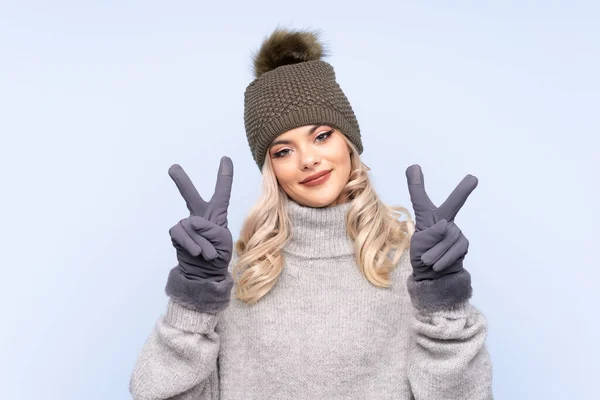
point(293, 87)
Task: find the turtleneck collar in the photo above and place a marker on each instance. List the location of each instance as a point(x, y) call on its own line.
point(318, 232)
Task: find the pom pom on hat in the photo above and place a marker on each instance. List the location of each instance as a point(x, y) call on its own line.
point(284, 47)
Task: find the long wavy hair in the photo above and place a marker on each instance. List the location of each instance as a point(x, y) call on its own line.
point(378, 235)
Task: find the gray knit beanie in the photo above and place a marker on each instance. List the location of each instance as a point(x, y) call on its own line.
point(293, 87)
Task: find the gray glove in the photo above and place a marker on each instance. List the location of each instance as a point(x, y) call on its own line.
point(437, 247)
point(202, 241)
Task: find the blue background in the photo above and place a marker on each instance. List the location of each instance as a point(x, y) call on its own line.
point(98, 99)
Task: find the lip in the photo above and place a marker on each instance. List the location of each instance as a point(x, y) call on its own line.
point(317, 178)
point(317, 175)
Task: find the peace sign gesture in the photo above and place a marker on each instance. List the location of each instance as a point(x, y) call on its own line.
point(203, 242)
point(426, 213)
point(438, 246)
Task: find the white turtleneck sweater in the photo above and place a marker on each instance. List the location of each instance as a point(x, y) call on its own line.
point(322, 332)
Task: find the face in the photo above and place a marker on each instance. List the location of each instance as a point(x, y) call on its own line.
point(307, 150)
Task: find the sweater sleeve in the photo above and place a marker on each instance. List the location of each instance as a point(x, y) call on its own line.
point(448, 358)
point(179, 360)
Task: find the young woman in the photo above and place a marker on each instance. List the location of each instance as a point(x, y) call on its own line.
point(335, 296)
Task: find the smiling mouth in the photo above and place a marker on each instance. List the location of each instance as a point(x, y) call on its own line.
point(322, 174)
point(318, 181)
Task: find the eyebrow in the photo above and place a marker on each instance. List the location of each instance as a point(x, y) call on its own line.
point(285, 141)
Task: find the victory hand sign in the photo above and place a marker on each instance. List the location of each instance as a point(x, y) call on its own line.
point(438, 246)
point(203, 244)
point(202, 240)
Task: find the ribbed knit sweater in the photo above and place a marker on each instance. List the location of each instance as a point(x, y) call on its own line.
point(322, 332)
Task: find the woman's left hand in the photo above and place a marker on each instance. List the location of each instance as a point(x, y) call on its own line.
point(437, 247)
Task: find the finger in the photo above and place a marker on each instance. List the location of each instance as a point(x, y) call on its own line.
point(181, 237)
point(208, 250)
point(219, 237)
point(188, 191)
point(457, 198)
point(421, 202)
point(424, 240)
point(207, 229)
point(458, 251)
point(433, 254)
point(220, 198)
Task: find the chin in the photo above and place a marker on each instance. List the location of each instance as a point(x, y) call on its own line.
point(322, 204)
point(318, 201)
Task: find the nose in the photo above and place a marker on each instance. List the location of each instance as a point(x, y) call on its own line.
point(309, 159)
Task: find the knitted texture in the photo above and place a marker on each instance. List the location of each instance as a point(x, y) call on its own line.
point(322, 332)
point(293, 95)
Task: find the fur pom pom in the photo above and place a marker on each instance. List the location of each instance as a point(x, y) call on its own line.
point(285, 47)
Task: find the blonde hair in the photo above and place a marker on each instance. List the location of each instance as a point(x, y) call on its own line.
point(373, 227)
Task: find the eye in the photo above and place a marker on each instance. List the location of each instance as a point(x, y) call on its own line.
point(324, 136)
point(281, 153)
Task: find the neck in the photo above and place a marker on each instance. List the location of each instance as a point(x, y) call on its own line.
point(318, 232)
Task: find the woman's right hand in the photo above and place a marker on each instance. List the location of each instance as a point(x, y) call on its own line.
point(202, 241)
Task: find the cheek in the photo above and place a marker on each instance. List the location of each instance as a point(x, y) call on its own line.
point(346, 163)
point(342, 153)
point(284, 174)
